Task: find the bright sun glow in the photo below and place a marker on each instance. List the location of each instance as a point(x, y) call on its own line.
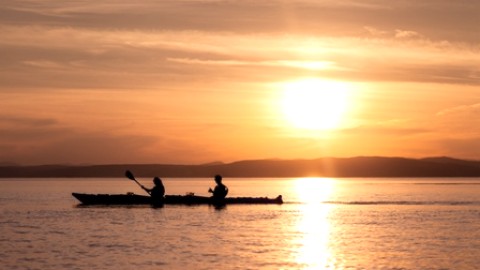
point(315, 104)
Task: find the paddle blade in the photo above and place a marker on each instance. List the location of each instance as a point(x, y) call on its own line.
point(129, 175)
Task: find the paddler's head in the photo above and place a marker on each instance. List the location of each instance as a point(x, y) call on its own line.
point(218, 179)
point(157, 181)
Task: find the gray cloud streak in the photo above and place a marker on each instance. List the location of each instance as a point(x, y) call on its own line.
point(439, 19)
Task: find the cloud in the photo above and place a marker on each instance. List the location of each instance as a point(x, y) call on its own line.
point(44, 64)
point(407, 34)
point(374, 31)
point(26, 121)
point(383, 130)
point(329, 18)
point(87, 58)
point(66, 145)
point(313, 65)
point(398, 34)
point(464, 110)
point(36, 140)
point(466, 147)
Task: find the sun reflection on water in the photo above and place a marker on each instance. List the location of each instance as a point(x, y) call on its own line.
point(313, 224)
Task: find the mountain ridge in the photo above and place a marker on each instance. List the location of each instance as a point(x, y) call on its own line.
point(363, 166)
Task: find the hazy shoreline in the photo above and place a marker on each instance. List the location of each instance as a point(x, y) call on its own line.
point(322, 167)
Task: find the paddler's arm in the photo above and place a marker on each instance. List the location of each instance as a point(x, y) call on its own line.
point(149, 191)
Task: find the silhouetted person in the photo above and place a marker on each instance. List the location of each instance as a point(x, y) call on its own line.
point(220, 191)
point(158, 190)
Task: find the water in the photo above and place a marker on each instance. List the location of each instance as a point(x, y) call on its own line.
point(324, 224)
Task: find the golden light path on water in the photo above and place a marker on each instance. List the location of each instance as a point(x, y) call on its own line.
point(313, 225)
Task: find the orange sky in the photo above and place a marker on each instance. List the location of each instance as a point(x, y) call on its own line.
point(201, 81)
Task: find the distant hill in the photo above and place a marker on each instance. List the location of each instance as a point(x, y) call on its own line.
point(322, 167)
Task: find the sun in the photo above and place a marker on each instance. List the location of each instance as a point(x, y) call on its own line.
point(315, 104)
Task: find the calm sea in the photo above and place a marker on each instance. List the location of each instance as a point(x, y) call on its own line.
point(324, 224)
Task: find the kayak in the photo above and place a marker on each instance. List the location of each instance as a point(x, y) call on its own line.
point(134, 199)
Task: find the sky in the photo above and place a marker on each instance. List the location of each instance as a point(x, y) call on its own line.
point(199, 81)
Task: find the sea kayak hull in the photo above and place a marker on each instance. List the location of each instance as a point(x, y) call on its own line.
point(134, 199)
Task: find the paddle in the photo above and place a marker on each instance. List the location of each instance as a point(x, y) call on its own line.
point(130, 176)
